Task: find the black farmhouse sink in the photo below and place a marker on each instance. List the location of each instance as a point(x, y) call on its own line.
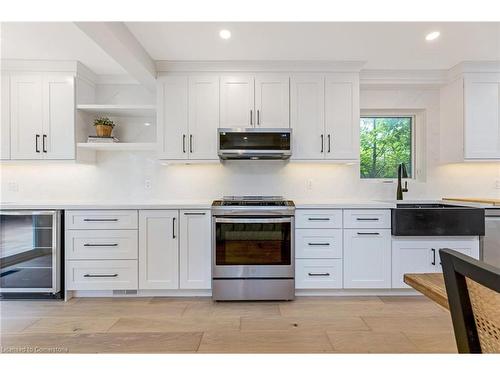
point(436, 219)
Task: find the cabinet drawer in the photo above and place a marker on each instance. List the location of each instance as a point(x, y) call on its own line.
point(101, 244)
point(318, 243)
point(101, 274)
point(318, 273)
point(105, 219)
point(367, 219)
point(329, 219)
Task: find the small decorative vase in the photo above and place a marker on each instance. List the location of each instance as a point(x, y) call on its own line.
point(103, 130)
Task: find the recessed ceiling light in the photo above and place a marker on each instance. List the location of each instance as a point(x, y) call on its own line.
point(225, 34)
point(432, 36)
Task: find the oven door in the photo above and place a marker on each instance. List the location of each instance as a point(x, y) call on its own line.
point(253, 247)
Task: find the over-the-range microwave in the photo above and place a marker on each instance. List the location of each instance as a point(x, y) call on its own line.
point(254, 143)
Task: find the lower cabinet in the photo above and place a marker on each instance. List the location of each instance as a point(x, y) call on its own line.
point(174, 249)
point(101, 274)
point(318, 273)
point(159, 249)
point(421, 254)
point(367, 258)
point(195, 250)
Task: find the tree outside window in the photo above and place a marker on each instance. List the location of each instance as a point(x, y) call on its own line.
point(385, 142)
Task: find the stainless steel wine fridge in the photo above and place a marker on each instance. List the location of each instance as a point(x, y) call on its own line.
point(30, 253)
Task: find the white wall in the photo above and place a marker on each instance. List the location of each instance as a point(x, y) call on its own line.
point(121, 175)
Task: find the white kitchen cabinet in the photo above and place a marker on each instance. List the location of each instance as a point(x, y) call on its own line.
point(5, 120)
point(188, 117)
point(318, 273)
point(26, 116)
point(325, 116)
point(101, 274)
point(318, 219)
point(255, 101)
point(158, 249)
point(195, 249)
point(237, 102)
point(307, 116)
point(482, 117)
point(470, 118)
point(421, 254)
point(367, 258)
point(42, 116)
point(203, 117)
point(58, 139)
point(172, 124)
point(360, 218)
point(342, 116)
point(318, 243)
point(272, 101)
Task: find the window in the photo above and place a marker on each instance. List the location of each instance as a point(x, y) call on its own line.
point(385, 142)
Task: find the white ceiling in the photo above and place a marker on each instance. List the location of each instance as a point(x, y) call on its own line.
point(54, 41)
point(381, 45)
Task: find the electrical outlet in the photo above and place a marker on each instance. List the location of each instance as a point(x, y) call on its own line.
point(148, 184)
point(13, 187)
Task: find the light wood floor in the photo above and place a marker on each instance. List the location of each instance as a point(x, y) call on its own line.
point(168, 325)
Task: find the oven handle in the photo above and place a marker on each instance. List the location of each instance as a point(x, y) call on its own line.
point(253, 220)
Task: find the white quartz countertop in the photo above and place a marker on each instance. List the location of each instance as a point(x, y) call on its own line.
point(206, 204)
point(108, 205)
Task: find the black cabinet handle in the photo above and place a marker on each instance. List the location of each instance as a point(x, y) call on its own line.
point(319, 274)
point(184, 143)
point(101, 275)
point(433, 257)
point(98, 220)
point(318, 244)
point(251, 117)
point(36, 142)
point(194, 213)
point(369, 233)
point(322, 143)
point(367, 219)
point(100, 244)
point(318, 219)
point(329, 144)
point(173, 228)
point(258, 117)
point(43, 143)
point(190, 143)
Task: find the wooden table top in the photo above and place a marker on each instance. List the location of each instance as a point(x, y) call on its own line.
point(430, 285)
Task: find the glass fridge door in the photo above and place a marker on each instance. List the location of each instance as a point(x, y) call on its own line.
point(29, 251)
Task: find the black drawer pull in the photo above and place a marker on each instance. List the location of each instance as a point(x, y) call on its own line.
point(367, 218)
point(319, 274)
point(100, 244)
point(194, 213)
point(101, 275)
point(318, 219)
point(369, 233)
point(433, 257)
point(319, 244)
point(100, 220)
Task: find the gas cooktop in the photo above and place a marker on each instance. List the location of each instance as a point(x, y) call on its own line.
point(253, 200)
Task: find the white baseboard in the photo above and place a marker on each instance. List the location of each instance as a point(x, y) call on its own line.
point(354, 292)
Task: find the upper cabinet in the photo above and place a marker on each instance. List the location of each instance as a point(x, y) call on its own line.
point(188, 117)
point(260, 101)
point(42, 116)
point(470, 118)
point(482, 117)
point(5, 120)
point(325, 116)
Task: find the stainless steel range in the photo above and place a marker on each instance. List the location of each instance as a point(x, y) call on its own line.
point(253, 248)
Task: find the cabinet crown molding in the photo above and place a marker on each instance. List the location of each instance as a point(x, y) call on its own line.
point(258, 66)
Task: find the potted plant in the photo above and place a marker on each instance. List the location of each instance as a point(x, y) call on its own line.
point(103, 126)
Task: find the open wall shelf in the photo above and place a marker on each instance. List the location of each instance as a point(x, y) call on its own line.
point(118, 146)
point(122, 110)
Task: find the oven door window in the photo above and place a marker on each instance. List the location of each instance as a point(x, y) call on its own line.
point(253, 243)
